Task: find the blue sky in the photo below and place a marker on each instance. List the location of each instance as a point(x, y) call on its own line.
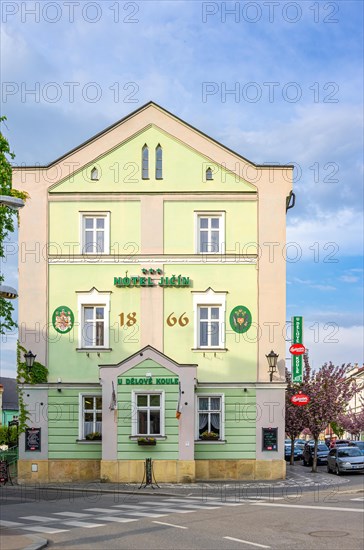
point(275, 83)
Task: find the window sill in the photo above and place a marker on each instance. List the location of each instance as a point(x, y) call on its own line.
point(209, 441)
point(210, 350)
point(88, 442)
point(93, 350)
point(157, 437)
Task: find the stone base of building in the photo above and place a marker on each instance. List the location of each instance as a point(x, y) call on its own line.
point(184, 471)
point(164, 471)
point(58, 470)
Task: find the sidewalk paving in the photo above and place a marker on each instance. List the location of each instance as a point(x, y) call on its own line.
point(12, 540)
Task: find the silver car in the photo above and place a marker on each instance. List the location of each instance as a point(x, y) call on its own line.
point(345, 459)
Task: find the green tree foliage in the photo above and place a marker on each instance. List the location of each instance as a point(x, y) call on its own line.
point(6, 223)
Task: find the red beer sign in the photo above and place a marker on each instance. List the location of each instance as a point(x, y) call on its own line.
point(300, 399)
point(297, 349)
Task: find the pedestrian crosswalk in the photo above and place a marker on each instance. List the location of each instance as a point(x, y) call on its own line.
point(90, 518)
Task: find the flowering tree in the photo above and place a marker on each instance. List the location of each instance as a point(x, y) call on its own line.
point(329, 392)
point(352, 422)
point(295, 420)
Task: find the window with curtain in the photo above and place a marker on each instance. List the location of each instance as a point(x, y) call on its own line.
point(210, 234)
point(91, 415)
point(209, 415)
point(159, 163)
point(95, 234)
point(93, 326)
point(145, 162)
point(209, 326)
point(149, 411)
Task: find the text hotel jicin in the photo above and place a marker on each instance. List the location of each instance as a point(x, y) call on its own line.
point(158, 340)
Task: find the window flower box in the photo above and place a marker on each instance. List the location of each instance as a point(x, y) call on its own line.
point(147, 441)
point(209, 436)
point(94, 436)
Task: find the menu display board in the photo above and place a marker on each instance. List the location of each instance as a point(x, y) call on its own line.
point(32, 439)
point(4, 475)
point(270, 439)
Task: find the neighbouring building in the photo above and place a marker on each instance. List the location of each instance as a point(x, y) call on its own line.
point(152, 285)
point(9, 409)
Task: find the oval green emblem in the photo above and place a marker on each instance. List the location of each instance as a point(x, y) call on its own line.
point(240, 319)
point(63, 319)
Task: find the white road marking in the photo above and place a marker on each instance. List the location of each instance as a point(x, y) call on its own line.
point(170, 525)
point(128, 506)
point(360, 499)
point(37, 518)
point(72, 514)
point(84, 524)
point(175, 511)
point(248, 542)
point(4, 523)
point(301, 506)
point(115, 519)
point(41, 529)
point(144, 514)
point(194, 506)
point(102, 510)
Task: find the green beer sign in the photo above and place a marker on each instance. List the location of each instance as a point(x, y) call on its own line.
point(297, 360)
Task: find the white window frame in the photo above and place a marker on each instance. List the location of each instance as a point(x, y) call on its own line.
point(222, 230)
point(81, 396)
point(209, 298)
point(94, 215)
point(134, 419)
point(222, 414)
point(94, 299)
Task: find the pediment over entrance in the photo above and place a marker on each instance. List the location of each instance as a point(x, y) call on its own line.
point(147, 354)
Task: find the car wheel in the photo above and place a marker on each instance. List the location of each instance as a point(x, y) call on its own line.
point(337, 471)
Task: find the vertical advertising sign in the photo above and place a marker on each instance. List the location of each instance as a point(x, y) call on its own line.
point(297, 338)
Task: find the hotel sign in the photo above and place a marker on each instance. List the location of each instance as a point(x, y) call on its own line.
point(175, 281)
point(144, 381)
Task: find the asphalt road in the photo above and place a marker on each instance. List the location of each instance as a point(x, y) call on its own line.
point(324, 515)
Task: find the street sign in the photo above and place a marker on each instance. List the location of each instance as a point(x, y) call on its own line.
point(300, 399)
point(297, 338)
point(297, 349)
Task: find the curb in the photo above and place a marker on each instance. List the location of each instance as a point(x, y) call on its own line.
point(38, 543)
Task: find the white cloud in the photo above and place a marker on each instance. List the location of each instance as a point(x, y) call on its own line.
point(349, 279)
point(328, 235)
point(342, 346)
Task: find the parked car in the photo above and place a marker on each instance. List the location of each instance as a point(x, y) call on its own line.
point(345, 459)
point(358, 444)
point(308, 451)
point(297, 451)
point(337, 442)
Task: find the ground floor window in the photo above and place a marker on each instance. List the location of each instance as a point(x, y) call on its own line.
point(149, 414)
point(209, 416)
point(91, 417)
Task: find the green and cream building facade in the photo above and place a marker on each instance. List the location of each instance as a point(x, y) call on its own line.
point(152, 286)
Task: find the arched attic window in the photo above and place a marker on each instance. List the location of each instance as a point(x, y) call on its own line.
point(94, 174)
point(158, 162)
point(145, 162)
point(209, 174)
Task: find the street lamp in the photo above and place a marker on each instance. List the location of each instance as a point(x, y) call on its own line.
point(29, 359)
point(12, 202)
point(8, 292)
point(272, 362)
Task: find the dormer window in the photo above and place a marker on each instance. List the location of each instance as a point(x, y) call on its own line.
point(209, 174)
point(145, 162)
point(158, 163)
point(94, 174)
